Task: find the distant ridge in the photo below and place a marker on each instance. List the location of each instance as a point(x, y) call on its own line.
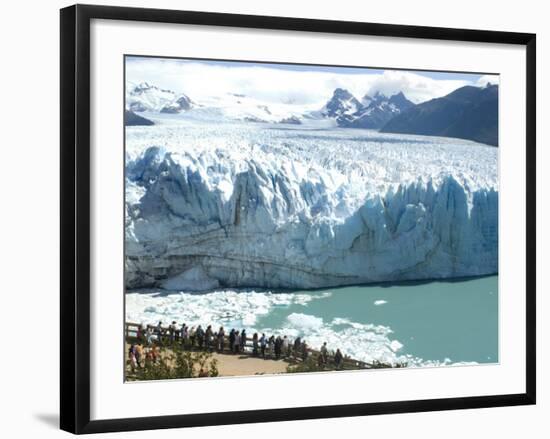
point(133, 119)
point(147, 97)
point(467, 113)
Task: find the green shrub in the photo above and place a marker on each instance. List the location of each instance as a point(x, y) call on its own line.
point(176, 364)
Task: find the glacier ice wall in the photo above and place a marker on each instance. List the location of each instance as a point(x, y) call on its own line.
point(238, 217)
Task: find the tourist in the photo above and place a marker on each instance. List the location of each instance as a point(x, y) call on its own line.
point(285, 347)
point(324, 353)
point(149, 335)
point(236, 342)
point(139, 354)
point(221, 339)
point(132, 357)
point(271, 346)
point(208, 337)
point(159, 332)
point(232, 340)
point(184, 335)
point(243, 340)
point(255, 344)
point(200, 336)
point(338, 359)
point(278, 346)
point(263, 344)
point(297, 346)
point(140, 335)
point(171, 332)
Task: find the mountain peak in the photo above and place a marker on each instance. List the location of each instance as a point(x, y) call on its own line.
point(148, 97)
point(342, 93)
point(400, 101)
point(182, 103)
point(342, 102)
point(375, 111)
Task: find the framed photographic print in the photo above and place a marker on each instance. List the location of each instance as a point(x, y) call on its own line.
point(272, 218)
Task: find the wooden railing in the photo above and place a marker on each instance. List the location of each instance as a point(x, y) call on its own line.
point(132, 329)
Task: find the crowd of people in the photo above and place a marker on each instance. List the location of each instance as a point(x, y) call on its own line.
point(150, 337)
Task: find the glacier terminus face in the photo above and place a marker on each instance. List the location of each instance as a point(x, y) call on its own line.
point(234, 204)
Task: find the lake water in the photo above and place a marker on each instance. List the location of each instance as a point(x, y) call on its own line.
point(423, 323)
point(435, 320)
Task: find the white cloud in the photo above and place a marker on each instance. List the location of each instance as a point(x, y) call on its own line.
point(487, 79)
point(416, 87)
point(201, 80)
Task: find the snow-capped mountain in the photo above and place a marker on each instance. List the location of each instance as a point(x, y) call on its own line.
point(343, 109)
point(146, 97)
point(183, 103)
point(341, 103)
point(375, 111)
point(370, 112)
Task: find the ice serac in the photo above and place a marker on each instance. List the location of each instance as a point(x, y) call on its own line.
point(223, 217)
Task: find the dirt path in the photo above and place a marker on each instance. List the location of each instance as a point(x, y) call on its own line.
point(240, 365)
point(232, 365)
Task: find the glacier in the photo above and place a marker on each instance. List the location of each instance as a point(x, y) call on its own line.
point(236, 205)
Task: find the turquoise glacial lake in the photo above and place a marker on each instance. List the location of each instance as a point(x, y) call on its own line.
point(436, 320)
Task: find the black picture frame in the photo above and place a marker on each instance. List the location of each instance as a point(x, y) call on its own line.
point(75, 217)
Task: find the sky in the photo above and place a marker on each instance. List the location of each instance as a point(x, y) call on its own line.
point(292, 84)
